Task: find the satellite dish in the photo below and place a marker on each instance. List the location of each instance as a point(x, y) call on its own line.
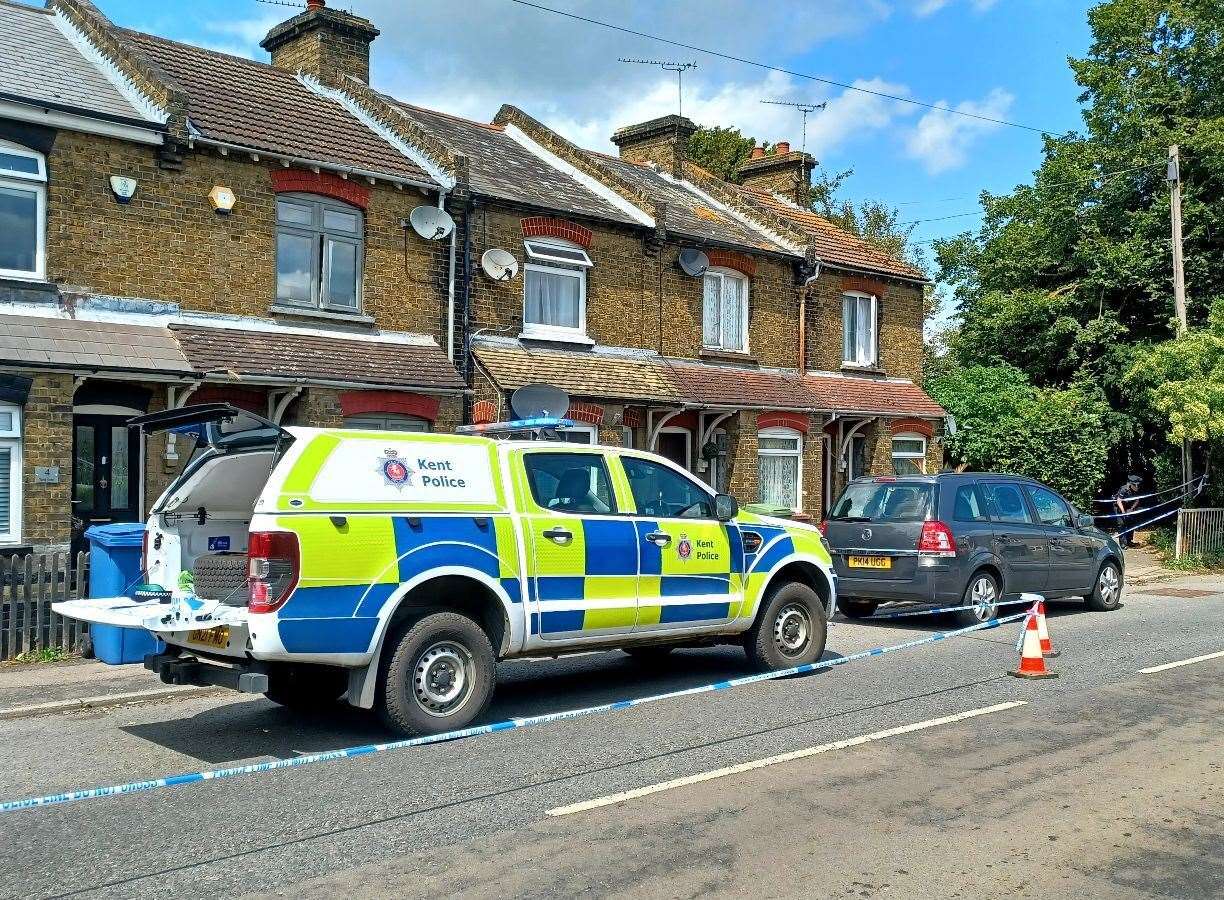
point(500, 265)
point(533, 400)
point(431, 223)
point(694, 262)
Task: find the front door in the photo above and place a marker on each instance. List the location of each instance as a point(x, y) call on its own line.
point(1020, 542)
point(691, 563)
point(582, 551)
point(105, 473)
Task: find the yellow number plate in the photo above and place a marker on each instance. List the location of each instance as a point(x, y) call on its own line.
point(212, 637)
point(869, 562)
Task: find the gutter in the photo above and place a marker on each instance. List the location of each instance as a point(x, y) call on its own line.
point(51, 115)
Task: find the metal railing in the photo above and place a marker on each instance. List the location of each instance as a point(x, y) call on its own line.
point(28, 586)
point(1199, 532)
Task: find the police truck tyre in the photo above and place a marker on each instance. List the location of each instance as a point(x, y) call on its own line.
point(1107, 592)
point(438, 675)
point(857, 609)
point(306, 687)
point(982, 593)
point(789, 631)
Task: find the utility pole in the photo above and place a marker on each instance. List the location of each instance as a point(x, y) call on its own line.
point(1179, 271)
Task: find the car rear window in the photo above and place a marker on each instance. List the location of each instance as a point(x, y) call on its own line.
point(884, 501)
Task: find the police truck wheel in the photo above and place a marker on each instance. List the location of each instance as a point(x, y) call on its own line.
point(857, 609)
point(790, 629)
point(1107, 592)
point(982, 593)
point(306, 687)
point(438, 675)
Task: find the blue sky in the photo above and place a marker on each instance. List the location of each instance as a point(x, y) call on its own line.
point(1004, 58)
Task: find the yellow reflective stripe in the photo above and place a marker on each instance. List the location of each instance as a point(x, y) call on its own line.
point(620, 484)
point(617, 617)
point(308, 464)
point(649, 615)
point(650, 586)
point(507, 547)
point(609, 587)
point(362, 551)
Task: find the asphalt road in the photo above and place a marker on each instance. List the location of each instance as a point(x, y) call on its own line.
point(1105, 783)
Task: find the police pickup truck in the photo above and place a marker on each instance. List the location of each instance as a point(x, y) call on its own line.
point(394, 569)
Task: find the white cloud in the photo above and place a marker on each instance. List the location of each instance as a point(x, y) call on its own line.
point(942, 140)
point(924, 8)
point(244, 34)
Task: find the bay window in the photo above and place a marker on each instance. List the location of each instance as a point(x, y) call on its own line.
point(860, 334)
point(909, 454)
point(23, 212)
point(554, 289)
point(724, 310)
point(318, 253)
point(780, 467)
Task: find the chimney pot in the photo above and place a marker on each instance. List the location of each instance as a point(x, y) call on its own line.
point(758, 152)
point(315, 4)
point(782, 148)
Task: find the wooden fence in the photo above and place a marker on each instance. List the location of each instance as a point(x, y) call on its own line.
point(28, 587)
point(1199, 532)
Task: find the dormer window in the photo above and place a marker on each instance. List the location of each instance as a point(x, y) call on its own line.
point(724, 310)
point(318, 253)
point(23, 212)
point(860, 334)
point(554, 289)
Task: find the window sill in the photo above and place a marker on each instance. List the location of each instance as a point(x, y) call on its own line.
point(302, 312)
point(873, 369)
point(26, 283)
point(738, 356)
point(557, 337)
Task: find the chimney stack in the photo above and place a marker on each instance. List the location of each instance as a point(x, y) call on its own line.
point(784, 172)
point(663, 141)
point(323, 42)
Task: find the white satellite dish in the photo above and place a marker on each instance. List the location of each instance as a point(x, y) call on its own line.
point(500, 265)
point(431, 223)
point(533, 400)
point(694, 262)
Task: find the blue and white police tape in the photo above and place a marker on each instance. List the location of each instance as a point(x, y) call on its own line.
point(135, 787)
point(938, 609)
point(1200, 480)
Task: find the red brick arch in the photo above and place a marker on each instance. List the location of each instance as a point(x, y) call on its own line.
point(864, 285)
point(323, 183)
point(729, 259)
point(546, 226)
point(483, 412)
point(243, 398)
point(591, 413)
point(795, 421)
point(917, 426)
point(355, 403)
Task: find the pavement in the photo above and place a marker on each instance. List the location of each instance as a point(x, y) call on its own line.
point(1106, 782)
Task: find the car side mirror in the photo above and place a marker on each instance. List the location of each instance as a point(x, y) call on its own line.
point(1085, 521)
point(726, 507)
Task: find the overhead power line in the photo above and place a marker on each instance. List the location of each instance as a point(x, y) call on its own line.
point(761, 65)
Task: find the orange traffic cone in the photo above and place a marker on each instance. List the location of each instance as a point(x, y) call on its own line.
point(1043, 633)
point(1032, 663)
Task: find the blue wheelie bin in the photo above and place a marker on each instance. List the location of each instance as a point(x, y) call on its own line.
point(114, 571)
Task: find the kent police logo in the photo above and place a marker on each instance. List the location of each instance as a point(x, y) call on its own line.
point(395, 471)
point(684, 549)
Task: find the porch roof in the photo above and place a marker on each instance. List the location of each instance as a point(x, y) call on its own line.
point(75, 344)
point(872, 396)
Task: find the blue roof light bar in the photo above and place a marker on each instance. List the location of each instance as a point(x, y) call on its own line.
point(534, 424)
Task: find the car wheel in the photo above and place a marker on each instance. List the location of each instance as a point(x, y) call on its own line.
point(789, 631)
point(439, 676)
point(857, 609)
point(982, 596)
point(1107, 592)
point(306, 687)
point(650, 653)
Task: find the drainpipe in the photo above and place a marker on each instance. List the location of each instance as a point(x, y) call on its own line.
point(450, 289)
point(466, 293)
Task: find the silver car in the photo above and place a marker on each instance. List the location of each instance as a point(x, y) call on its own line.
point(971, 539)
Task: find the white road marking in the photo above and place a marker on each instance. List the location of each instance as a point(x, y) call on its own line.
point(1151, 670)
point(612, 799)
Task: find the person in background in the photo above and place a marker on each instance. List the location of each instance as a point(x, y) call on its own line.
point(1125, 502)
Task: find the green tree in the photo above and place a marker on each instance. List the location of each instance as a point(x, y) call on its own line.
point(720, 150)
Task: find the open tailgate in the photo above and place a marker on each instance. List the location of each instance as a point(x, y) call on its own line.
point(180, 614)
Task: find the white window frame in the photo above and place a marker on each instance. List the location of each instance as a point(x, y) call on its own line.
point(848, 360)
point(382, 422)
point(688, 443)
point(536, 249)
point(37, 182)
point(722, 274)
point(910, 454)
point(11, 440)
point(590, 431)
point(797, 454)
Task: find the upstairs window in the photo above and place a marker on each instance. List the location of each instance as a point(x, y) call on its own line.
point(318, 253)
point(724, 310)
point(23, 212)
point(860, 338)
point(554, 289)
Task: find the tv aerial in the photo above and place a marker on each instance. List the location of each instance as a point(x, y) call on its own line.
point(694, 262)
point(668, 65)
point(539, 400)
point(500, 265)
point(431, 223)
point(804, 108)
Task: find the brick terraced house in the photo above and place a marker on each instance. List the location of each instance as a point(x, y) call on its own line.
point(181, 225)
